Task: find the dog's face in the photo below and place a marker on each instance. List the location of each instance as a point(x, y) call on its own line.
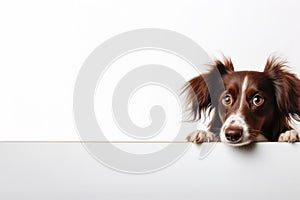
point(246, 107)
point(251, 106)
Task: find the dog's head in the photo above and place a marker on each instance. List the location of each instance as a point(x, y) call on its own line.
point(250, 105)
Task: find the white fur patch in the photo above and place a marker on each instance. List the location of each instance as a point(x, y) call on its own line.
point(235, 120)
point(201, 136)
point(244, 87)
point(289, 136)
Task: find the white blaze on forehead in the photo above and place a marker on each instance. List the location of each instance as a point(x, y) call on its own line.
point(244, 87)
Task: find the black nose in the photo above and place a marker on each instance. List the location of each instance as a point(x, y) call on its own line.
point(233, 134)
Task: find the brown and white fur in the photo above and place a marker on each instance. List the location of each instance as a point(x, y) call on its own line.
point(249, 106)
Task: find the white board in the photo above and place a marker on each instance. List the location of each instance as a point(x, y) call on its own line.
point(67, 171)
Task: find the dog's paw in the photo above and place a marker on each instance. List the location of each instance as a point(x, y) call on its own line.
point(201, 136)
point(289, 136)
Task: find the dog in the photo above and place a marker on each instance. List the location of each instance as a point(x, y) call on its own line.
point(248, 106)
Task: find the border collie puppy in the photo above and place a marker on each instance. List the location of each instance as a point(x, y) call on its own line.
point(248, 106)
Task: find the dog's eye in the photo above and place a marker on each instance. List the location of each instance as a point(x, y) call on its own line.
point(227, 100)
point(258, 100)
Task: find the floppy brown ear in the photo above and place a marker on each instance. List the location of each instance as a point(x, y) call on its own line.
point(287, 88)
point(203, 90)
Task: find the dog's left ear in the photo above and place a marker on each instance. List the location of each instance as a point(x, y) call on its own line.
point(203, 91)
point(287, 88)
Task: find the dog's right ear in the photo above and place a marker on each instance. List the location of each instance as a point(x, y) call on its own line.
point(203, 88)
point(287, 89)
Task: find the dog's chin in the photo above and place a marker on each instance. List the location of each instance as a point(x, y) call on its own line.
point(237, 143)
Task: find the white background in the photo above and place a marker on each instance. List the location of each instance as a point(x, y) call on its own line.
point(43, 45)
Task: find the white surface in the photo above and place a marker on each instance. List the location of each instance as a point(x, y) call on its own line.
point(67, 171)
